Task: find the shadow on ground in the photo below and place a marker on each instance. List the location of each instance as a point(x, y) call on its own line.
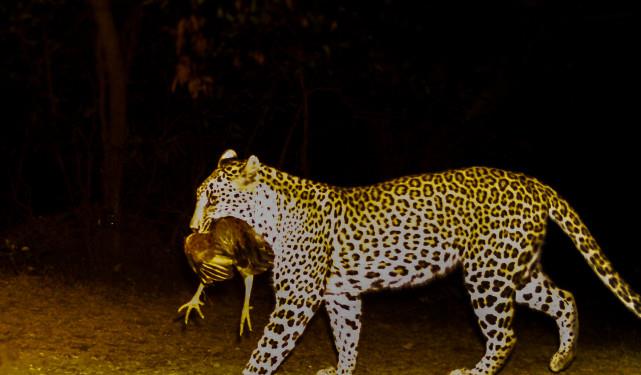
point(54, 327)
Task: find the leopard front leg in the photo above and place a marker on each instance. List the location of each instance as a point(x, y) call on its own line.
point(344, 312)
point(287, 322)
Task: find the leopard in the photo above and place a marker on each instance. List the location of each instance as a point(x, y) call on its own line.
point(333, 244)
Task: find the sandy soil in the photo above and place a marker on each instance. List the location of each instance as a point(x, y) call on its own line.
point(52, 327)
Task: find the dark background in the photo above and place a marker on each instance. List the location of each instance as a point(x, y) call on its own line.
point(342, 92)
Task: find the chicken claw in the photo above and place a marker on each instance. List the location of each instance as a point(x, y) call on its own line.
point(194, 304)
point(244, 315)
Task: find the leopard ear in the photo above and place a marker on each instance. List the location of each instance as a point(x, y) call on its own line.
point(228, 154)
point(249, 173)
point(252, 165)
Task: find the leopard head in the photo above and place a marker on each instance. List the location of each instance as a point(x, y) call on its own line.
point(232, 189)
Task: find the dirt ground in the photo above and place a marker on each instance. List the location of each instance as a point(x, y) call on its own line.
point(54, 327)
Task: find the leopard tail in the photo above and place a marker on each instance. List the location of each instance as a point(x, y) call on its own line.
point(564, 216)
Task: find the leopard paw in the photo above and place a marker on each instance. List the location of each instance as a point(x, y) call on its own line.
point(327, 371)
point(560, 361)
point(461, 371)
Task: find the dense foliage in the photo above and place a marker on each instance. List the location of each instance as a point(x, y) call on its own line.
point(346, 92)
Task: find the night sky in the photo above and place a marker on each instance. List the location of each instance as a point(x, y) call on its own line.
point(347, 93)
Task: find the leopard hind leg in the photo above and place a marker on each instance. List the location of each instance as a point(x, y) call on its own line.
point(493, 303)
point(540, 294)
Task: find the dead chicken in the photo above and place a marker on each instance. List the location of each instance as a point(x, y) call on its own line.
point(225, 244)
